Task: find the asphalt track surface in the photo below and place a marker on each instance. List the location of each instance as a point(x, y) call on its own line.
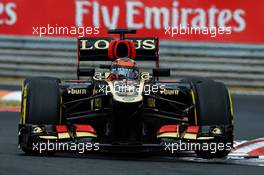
point(249, 122)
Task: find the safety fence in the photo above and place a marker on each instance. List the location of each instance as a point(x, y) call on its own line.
point(234, 64)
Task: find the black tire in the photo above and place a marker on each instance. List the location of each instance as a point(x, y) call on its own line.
point(213, 108)
point(42, 101)
point(40, 105)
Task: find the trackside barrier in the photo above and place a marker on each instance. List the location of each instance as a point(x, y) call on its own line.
point(233, 64)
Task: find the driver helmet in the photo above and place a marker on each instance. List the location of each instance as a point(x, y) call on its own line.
point(124, 68)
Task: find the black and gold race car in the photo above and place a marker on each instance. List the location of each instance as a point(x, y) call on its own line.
point(123, 108)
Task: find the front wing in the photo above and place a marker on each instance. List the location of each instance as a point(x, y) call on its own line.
point(69, 138)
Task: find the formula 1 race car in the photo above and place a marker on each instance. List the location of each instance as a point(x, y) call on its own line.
point(123, 108)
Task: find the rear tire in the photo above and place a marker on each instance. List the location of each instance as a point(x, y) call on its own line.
point(213, 107)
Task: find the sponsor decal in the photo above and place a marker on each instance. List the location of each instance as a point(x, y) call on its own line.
point(8, 15)
point(77, 91)
point(169, 91)
point(146, 44)
point(151, 18)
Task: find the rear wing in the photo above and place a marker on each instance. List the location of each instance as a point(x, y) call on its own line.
point(96, 49)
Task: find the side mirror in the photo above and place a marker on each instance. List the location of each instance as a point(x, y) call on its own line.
point(85, 72)
point(158, 72)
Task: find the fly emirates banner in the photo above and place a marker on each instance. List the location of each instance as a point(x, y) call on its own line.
point(227, 21)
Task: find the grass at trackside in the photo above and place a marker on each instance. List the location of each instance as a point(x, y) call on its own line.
point(246, 90)
point(9, 104)
point(11, 80)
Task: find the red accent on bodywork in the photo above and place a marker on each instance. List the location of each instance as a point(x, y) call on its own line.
point(84, 128)
point(193, 129)
point(61, 128)
point(132, 49)
point(112, 77)
point(127, 46)
point(168, 128)
point(112, 49)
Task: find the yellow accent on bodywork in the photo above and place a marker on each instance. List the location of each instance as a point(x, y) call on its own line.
point(231, 106)
point(48, 137)
point(24, 104)
point(21, 115)
point(194, 107)
point(85, 134)
point(169, 134)
point(65, 135)
point(205, 138)
point(190, 136)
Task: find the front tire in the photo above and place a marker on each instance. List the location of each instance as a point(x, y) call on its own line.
point(40, 104)
point(42, 101)
point(213, 108)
